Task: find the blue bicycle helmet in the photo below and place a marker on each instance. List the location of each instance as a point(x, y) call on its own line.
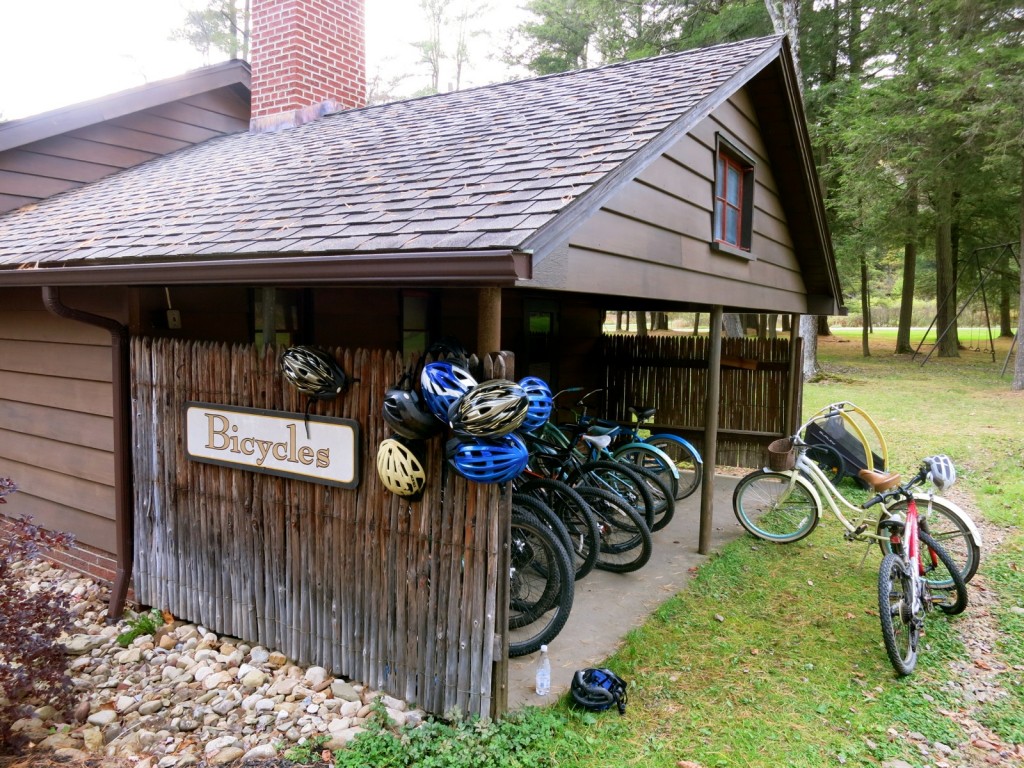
point(488, 461)
point(491, 409)
point(541, 403)
point(442, 384)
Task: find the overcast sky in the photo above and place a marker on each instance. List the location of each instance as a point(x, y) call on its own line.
point(59, 52)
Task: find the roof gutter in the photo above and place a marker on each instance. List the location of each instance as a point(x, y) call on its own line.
point(123, 490)
point(496, 267)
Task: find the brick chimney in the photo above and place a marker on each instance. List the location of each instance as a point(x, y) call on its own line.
point(308, 58)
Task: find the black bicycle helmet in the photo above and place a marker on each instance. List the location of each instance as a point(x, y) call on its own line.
point(313, 372)
point(450, 349)
point(599, 689)
point(400, 468)
point(492, 409)
point(405, 414)
point(488, 461)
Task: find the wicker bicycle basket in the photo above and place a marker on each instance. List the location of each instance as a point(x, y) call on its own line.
point(781, 454)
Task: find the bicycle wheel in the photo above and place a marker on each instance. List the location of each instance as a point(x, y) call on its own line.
point(828, 460)
point(946, 525)
point(686, 458)
point(776, 506)
point(901, 629)
point(626, 542)
point(575, 515)
point(544, 513)
point(541, 587)
point(652, 459)
point(939, 570)
point(620, 479)
point(664, 500)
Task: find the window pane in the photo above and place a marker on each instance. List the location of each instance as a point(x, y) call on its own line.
point(732, 226)
point(718, 219)
point(734, 185)
point(720, 178)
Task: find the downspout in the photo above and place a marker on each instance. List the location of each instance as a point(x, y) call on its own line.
point(123, 490)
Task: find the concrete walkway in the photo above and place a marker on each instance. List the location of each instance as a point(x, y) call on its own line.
point(608, 605)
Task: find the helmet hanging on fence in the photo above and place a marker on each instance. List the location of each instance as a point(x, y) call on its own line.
point(404, 412)
point(488, 461)
point(491, 409)
point(313, 372)
point(442, 384)
point(541, 403)
point(400, 469)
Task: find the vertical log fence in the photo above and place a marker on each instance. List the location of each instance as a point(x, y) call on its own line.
point(405, 597)
point(670, 373)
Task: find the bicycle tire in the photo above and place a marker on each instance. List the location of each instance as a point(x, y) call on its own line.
point(626, 542)
point(828, 461)
point(687, 460)
point(664, 500)
point(950, 600)
point(776, 506)
point(900, 627)
point(575, 515)
point(545, 514)
point(945, 525)
point(652, 459)
point(620, 479)
point(541, 587)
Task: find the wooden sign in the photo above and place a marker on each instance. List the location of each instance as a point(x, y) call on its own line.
point(274, 442)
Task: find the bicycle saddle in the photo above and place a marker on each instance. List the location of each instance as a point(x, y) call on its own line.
point(599, 441)
point(642, 412)
point(879, 481)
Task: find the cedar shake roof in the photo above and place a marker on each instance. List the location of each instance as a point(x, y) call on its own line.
point(488, 169)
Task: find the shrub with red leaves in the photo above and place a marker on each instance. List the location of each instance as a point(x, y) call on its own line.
point(32, 658)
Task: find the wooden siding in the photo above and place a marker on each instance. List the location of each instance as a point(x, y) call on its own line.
point(670, 373)
point(652, 239)
point(400, 595)
point(56, 430)
point(43, 168)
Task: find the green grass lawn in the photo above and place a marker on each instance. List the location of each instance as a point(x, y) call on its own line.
point(774, 655)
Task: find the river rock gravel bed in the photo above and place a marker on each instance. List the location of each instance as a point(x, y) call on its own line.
point(185, 696)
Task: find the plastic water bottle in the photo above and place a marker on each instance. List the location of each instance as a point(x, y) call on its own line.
point(543, 673)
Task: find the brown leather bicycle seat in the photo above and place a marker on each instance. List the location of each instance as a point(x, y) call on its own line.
point(879, 481)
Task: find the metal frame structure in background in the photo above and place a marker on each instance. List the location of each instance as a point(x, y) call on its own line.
point(983, 275)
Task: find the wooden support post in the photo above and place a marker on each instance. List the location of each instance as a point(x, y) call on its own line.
point(488, 334)
point(794, 386)
point(268, 297)
point(707, 491)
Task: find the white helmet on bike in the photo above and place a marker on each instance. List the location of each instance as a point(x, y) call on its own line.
point(941, 471)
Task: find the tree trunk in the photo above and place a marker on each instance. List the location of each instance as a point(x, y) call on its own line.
point(641, 323)
point(1018, 366)
point(865, 308)
point(773, 322)
point(696, 322)
point(909, 276)
point(1005, 323)
point(823, 327)
point(945, 279)
point(809, 334)
point(733, 325)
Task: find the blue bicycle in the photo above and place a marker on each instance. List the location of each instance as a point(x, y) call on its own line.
point(681, 452)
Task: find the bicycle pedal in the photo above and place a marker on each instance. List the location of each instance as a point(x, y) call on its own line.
point(855, 533)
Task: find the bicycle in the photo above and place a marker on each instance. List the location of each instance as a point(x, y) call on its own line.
point(625, 437)
point(541, 584)
point(905, 591)
point(782, 503)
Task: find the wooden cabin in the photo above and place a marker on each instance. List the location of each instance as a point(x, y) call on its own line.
point(511, 216)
